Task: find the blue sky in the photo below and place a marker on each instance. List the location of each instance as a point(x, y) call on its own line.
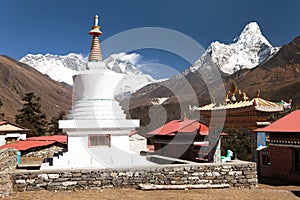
point(61, 26)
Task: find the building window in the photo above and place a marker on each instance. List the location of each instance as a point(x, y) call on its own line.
point(10, 140)
point(99, 140)
point(297, 160)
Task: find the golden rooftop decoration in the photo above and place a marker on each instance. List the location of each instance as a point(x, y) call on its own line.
point(256, 103)
point(236, 94)
point(235, 98)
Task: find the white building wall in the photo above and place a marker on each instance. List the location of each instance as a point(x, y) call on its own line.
point(96, 112)
point(138, 143)
point(2, 140)
point(23, 136)
point(17, 136)
point(121, 142)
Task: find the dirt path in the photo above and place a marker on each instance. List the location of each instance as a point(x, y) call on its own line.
point(263, 192)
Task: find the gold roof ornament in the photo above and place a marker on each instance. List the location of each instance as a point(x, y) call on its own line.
point(239, 99)
point(257, 93)
point(233, 98)
point(227, 100)
point(245, 98)
point(233, 88)
point(255, 103)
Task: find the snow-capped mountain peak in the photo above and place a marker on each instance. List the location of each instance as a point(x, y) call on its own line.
point(250, 30)
point(122, 62)
point(248, 50)
point(252, 35)
point(58, 68)
point(134, 79)
point(62, 68)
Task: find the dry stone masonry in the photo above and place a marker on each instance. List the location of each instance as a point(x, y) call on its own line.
point(8, 162)
point(235, 174)
point(44, 153)
point(8, 159)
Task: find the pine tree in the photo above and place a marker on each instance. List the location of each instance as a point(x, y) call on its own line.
point(1, 114)
point(238, 141)
point(30, 115)
point(53, 124)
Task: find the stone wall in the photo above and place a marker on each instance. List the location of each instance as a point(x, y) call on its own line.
point(5, 185)
point(8, 162)
point(235, 174)
point(8, 159)
point(44, 152)
point(138, 143)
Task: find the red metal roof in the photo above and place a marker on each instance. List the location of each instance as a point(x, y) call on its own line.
point(36, 142)
point(223, 134)
point(55, 138)
point(3, 122)
point(288, 123)
point(131, 133)
point(26, 144)
point(151, 148)
point(185, 126)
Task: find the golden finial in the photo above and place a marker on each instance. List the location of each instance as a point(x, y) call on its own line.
point(257, 93)
point(233, 88)
point(227, 100)
point(245, 98)
point(96, 20)
point(95, 52)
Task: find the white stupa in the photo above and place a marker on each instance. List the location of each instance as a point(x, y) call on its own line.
point(97, 127)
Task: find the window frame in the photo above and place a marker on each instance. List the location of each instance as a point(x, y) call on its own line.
point(108, 136)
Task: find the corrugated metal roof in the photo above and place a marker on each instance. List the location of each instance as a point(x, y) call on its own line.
point(289, 123)
point(24, 145)
point(184, 126)
point(132, 132)
point(3, 122)
point(56, 138)
point(33, 142)
point(257, 103)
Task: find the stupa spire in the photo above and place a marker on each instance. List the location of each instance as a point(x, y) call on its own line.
point(95, 52)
